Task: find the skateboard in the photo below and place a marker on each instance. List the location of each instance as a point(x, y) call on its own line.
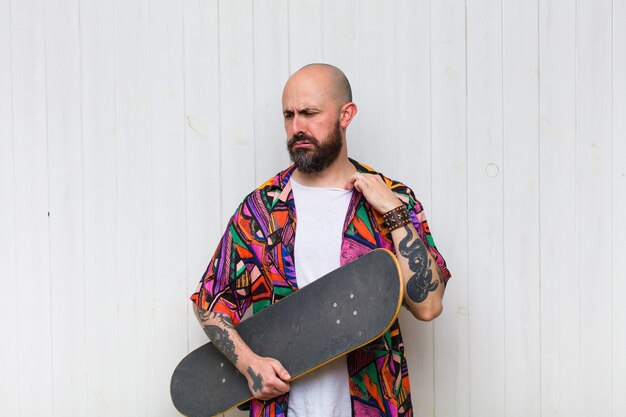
point(334, 315)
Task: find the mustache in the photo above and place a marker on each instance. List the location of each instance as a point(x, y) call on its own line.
point(301, 138)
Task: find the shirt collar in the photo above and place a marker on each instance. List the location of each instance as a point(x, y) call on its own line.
point(280, 185)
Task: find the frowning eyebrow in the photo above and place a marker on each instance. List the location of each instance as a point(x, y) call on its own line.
point(307, 111)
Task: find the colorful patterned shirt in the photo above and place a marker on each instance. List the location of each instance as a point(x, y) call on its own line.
point(254, 265)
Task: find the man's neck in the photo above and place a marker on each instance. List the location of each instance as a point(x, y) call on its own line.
point(336, 175)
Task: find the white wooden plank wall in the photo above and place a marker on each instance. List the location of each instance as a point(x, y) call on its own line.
point(202, 139)
point(594, 141)
point(64, 176)
point(520, 156)
point(9, 349)
point(100, 196)
point(558, 212)
point(130, 131)
point(486, 280)
point(619, 206)
point(449, 215)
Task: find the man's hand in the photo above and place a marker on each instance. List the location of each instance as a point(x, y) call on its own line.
point(267, 378)
point(375, 191)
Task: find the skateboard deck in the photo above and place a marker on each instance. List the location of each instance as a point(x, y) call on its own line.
point(336, 314)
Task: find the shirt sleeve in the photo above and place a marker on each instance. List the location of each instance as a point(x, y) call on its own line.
point(225, 286)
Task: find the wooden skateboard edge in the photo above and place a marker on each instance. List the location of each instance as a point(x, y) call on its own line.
point(395, 317)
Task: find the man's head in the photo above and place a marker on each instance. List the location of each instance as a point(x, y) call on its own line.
point(317, 109)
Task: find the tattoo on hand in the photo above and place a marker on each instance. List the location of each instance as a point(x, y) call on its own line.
point(419, 285)
point(257, 380)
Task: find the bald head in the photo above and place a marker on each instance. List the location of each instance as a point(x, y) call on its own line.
point(317, 101)
point(329, 81)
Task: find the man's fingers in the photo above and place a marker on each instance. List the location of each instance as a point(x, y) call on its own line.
point(376, 191)
point(362, 181)
point(273, 388)
point(280, 370)
point(350, 183)
point(355, 181)
point(279, 386)
point(277, 383)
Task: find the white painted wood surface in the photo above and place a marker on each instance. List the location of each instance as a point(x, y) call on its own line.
point(9, 348)
point(449, 215)
point(521, 250)
point(558, 221)
point(100, 196)
point(130, 131)
point(594, 140)
point(34, 303)
point(65, 173)
point(486, 279)
point(202, 138)
point(619, 208)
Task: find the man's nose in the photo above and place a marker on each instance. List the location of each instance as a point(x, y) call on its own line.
point(297, 125)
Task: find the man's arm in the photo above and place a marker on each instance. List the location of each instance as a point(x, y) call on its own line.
point(423, 281)
point(267, 378)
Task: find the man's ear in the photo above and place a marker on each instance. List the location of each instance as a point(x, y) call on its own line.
point(347, 113)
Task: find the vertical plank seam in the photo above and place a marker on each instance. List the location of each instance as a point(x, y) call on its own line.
point(577, 191)
point(467, 223)
point(117, 212)
point(323, 25)
point(288, 37)
point(430, 146)
point(612, 208)
point(15, 277)
point(503, 208)
point(358, 59)
point(323, 32)
point(539, 214)
point(219, 128)
point(82, 195)
point(185, 185)
point(254, 95)
point(47, 129)
point(150, 270)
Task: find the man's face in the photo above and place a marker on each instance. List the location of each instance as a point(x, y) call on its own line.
point(311, 155)
point(311, 117)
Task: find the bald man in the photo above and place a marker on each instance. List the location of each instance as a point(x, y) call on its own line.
point(344, 210)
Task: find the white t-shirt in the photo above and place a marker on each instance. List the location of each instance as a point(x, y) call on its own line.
point(320, 216)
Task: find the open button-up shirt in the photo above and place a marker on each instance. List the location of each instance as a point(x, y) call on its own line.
point(253, 265)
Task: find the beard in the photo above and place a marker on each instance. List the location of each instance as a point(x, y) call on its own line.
point(311, 161)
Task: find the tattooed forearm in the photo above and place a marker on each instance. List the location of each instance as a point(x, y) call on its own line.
point(221, 339)
point(419, 285)
point(257, 380)
point(218, 332)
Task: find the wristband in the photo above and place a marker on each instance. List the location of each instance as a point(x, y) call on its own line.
point(396, 218)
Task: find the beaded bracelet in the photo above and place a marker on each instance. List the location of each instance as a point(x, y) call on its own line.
point(396, 218)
